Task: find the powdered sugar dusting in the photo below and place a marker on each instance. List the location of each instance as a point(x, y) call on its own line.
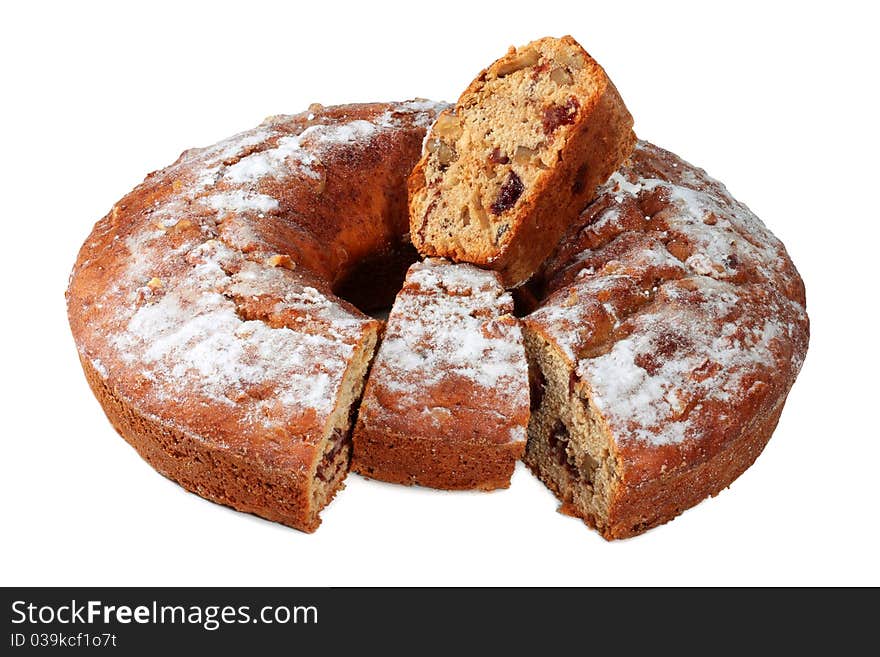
point(200, 313)
point(301, 154)
point(99, 367)
point(422, 105)
point(228, 174)
point(424, 111)
point(674, 358)
point(241, 201)
point(232, 147)
point(192, 339)
point(447, 326)
point(438, 334)
point(682, 300)
point(620, 183)
point(287, 154)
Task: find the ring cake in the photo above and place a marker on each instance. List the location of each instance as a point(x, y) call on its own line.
point(218, 307)
point(204, 311)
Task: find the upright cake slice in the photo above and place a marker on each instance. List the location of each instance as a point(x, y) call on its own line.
point(506, 170)
point(447, 401)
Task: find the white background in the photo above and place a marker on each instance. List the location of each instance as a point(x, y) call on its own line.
point(778, 101)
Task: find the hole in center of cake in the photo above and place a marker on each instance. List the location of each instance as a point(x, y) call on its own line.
point(372, 285)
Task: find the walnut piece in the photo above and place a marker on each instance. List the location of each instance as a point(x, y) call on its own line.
point(518, 62)
point(572, 60)
point(524, 155)
point(279, 260)
point(447, 127)
point(561, 77)
point(446, 155)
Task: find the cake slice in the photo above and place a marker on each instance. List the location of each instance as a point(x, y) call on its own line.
point(672, 328)
point(447, 401)
point(505, 171)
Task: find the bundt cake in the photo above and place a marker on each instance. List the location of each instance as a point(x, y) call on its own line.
point(447, 401)
point(218, 307)
point(671, 327)
point(204, 312)
point(507, 169)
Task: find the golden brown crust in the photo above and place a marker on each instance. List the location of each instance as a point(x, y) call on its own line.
point(279, 494)
point(597, 141)
point(203, 304)
point(673, 326)
point(446, 404)
point(411, 459)
point(636, 509)
point(205, 312)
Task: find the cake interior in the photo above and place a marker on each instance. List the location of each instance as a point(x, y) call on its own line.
point(371, 287)
point(511, 130)
point(569, 448)
point(334, 451)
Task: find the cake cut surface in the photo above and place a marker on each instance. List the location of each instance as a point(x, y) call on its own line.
point(673, 327)
point(505, 171)
point(447, 401)
point(219, 308)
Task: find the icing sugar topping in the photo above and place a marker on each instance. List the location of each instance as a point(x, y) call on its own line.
point(240, 201)
point(192, 338)
point(235, 164)
point(180, 323)
point(199, 318)
point(447, 326)
point(693, 288)
point(675, 359)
